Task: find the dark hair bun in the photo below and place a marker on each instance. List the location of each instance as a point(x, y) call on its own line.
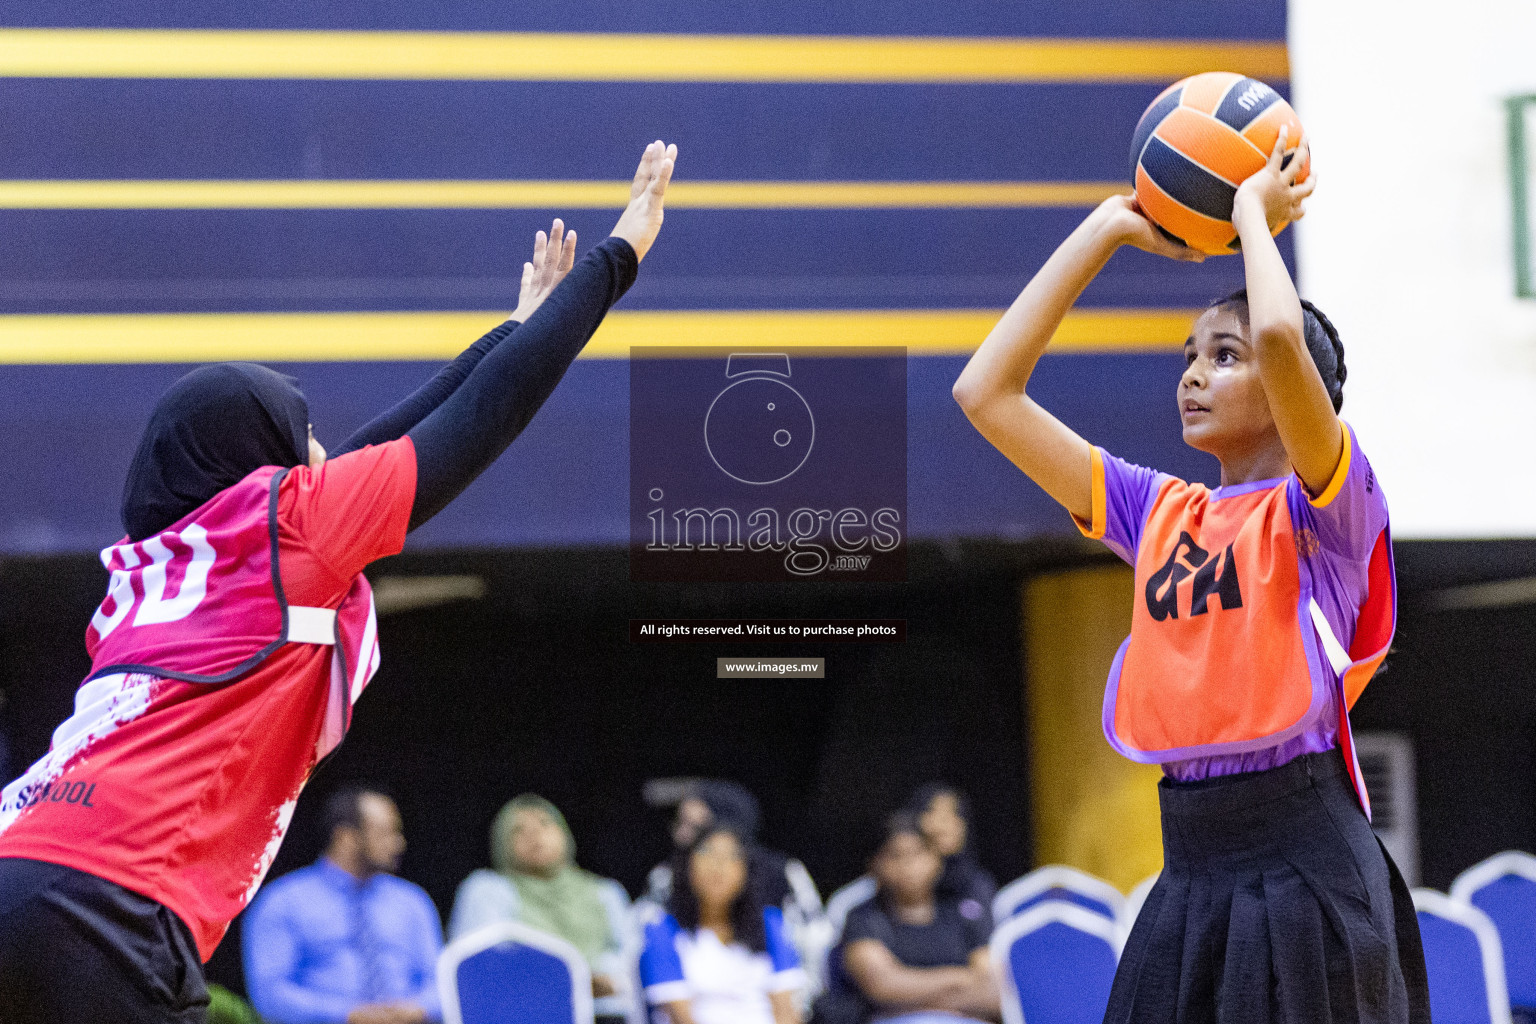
point(1322, 339)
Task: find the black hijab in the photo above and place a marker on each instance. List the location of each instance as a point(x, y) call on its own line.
point(213, 428)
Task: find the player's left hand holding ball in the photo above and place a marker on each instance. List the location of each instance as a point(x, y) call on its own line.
point(1272, 192)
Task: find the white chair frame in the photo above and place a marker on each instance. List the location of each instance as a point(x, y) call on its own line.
point(1036, 917)
point(1055, 876)
point(1137, 899)
point(1428, 901)
point(857, 892)
point(1510, 862)
point(481, 939)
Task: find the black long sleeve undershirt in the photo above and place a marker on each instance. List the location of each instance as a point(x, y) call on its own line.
point(461, 437)
point(394, 422)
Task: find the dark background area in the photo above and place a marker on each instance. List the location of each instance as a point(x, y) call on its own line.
point(538, 687)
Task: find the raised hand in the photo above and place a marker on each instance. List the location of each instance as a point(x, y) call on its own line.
point(641, 219)
point(553, 257)
point(1130, 226)
point(1273, 189)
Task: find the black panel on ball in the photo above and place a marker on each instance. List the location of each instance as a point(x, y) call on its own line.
point(1186, 181)
point(1148, 124)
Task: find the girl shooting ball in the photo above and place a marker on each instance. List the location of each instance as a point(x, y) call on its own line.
point(1261, 609)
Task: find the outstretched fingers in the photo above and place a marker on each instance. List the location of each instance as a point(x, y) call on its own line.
point(645, 170)
point(525, 289)
point(540, 247)
point(554, 253)
point(663, 173)
point(556, 240)
point(642, 218)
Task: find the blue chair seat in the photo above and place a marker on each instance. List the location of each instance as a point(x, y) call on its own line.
point(1464, 960)
point(1504, 888)
point(1055, 963)
point(510, 972)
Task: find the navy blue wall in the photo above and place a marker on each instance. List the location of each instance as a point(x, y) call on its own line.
point(565, 482)
point(68, 430)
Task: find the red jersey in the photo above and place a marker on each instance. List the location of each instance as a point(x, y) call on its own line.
point(226, 657)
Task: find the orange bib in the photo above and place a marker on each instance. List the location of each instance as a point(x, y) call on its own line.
point(1223, 655)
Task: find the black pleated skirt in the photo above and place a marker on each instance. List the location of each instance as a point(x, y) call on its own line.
point(1276, 904)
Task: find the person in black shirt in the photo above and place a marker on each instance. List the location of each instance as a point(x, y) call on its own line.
point(944, 815)
point(916, 954)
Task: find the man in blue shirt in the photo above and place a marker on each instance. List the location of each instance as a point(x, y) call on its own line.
point(344, 941)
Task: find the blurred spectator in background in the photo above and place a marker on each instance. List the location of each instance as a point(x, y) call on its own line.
point(344, 940)
point(708, 801)
point(536, 881)
point(719, 953)
point(944, 814)
point(787, 884)
point(914, 954)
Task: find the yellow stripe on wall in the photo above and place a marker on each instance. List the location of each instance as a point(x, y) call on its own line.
point(510, 195)
point(562, 57)
point(324, 337)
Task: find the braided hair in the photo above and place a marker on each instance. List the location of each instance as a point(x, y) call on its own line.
point(1322, 339)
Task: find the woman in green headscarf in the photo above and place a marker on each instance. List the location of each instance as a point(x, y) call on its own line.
point(536, 881)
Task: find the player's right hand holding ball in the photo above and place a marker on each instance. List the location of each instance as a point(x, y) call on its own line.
point(641, 219)
point(1272, 192)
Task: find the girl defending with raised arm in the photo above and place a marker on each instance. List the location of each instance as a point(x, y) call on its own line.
point(205, 713)
point(1261, 610)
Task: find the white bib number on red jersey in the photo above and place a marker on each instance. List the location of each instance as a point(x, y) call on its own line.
point(155, 607)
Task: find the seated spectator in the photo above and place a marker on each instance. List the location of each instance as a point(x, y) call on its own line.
point(786, 883)
point(344, 940)
point(709, 801)
point(914, 954)
point(944, 814)
point(719, 954)
point(536, 881)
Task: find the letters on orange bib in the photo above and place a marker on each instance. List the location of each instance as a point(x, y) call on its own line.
point(1223, 656)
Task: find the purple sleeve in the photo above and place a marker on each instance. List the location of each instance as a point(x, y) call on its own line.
point(1122, 494)
point(1350, 513)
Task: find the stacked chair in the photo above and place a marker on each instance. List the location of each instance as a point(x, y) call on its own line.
point(860, 890)
point(1465, 961)
point(1504, 888)
point(1133, 904)
point(1057, 882)
point(1055, 944)
point(1056, 941)
point(510, 972)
